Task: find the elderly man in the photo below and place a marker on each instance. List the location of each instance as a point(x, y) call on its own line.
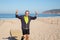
point(25, 22)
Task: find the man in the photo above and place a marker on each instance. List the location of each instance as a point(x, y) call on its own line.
point(25, 22)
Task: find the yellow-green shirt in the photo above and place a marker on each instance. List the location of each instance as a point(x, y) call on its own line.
point(26, 19)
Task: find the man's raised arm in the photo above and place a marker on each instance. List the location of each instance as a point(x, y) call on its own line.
point(17, 16)
point(36, 14)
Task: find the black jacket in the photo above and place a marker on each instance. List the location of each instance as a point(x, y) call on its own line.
point(23, 24)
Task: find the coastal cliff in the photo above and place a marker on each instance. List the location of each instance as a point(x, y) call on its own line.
point(53, 11)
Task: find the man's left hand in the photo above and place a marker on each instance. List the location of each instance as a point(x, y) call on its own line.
point(36, 13)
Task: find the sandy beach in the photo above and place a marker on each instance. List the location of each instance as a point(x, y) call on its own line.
point(47, 28)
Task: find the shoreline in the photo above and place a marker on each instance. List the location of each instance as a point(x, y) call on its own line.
point(37, 17)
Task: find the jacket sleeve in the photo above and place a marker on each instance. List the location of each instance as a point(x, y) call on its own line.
point(33, 18)
point(17, 16)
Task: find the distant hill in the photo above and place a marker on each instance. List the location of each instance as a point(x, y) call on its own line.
point(54, 11)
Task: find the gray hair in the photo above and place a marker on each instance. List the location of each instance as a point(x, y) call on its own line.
point(26, 11)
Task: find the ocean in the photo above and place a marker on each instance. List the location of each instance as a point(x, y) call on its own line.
point(12, 15)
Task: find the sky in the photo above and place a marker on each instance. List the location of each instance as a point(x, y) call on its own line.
point(10, 6)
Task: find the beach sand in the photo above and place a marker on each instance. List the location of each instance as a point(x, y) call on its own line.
point(47, 28)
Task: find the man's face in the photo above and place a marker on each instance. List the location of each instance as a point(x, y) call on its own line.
point(27, 13)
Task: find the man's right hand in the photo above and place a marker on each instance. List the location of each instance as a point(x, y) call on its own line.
point(16, 12)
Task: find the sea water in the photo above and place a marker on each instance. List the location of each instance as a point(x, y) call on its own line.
point(12, 15)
